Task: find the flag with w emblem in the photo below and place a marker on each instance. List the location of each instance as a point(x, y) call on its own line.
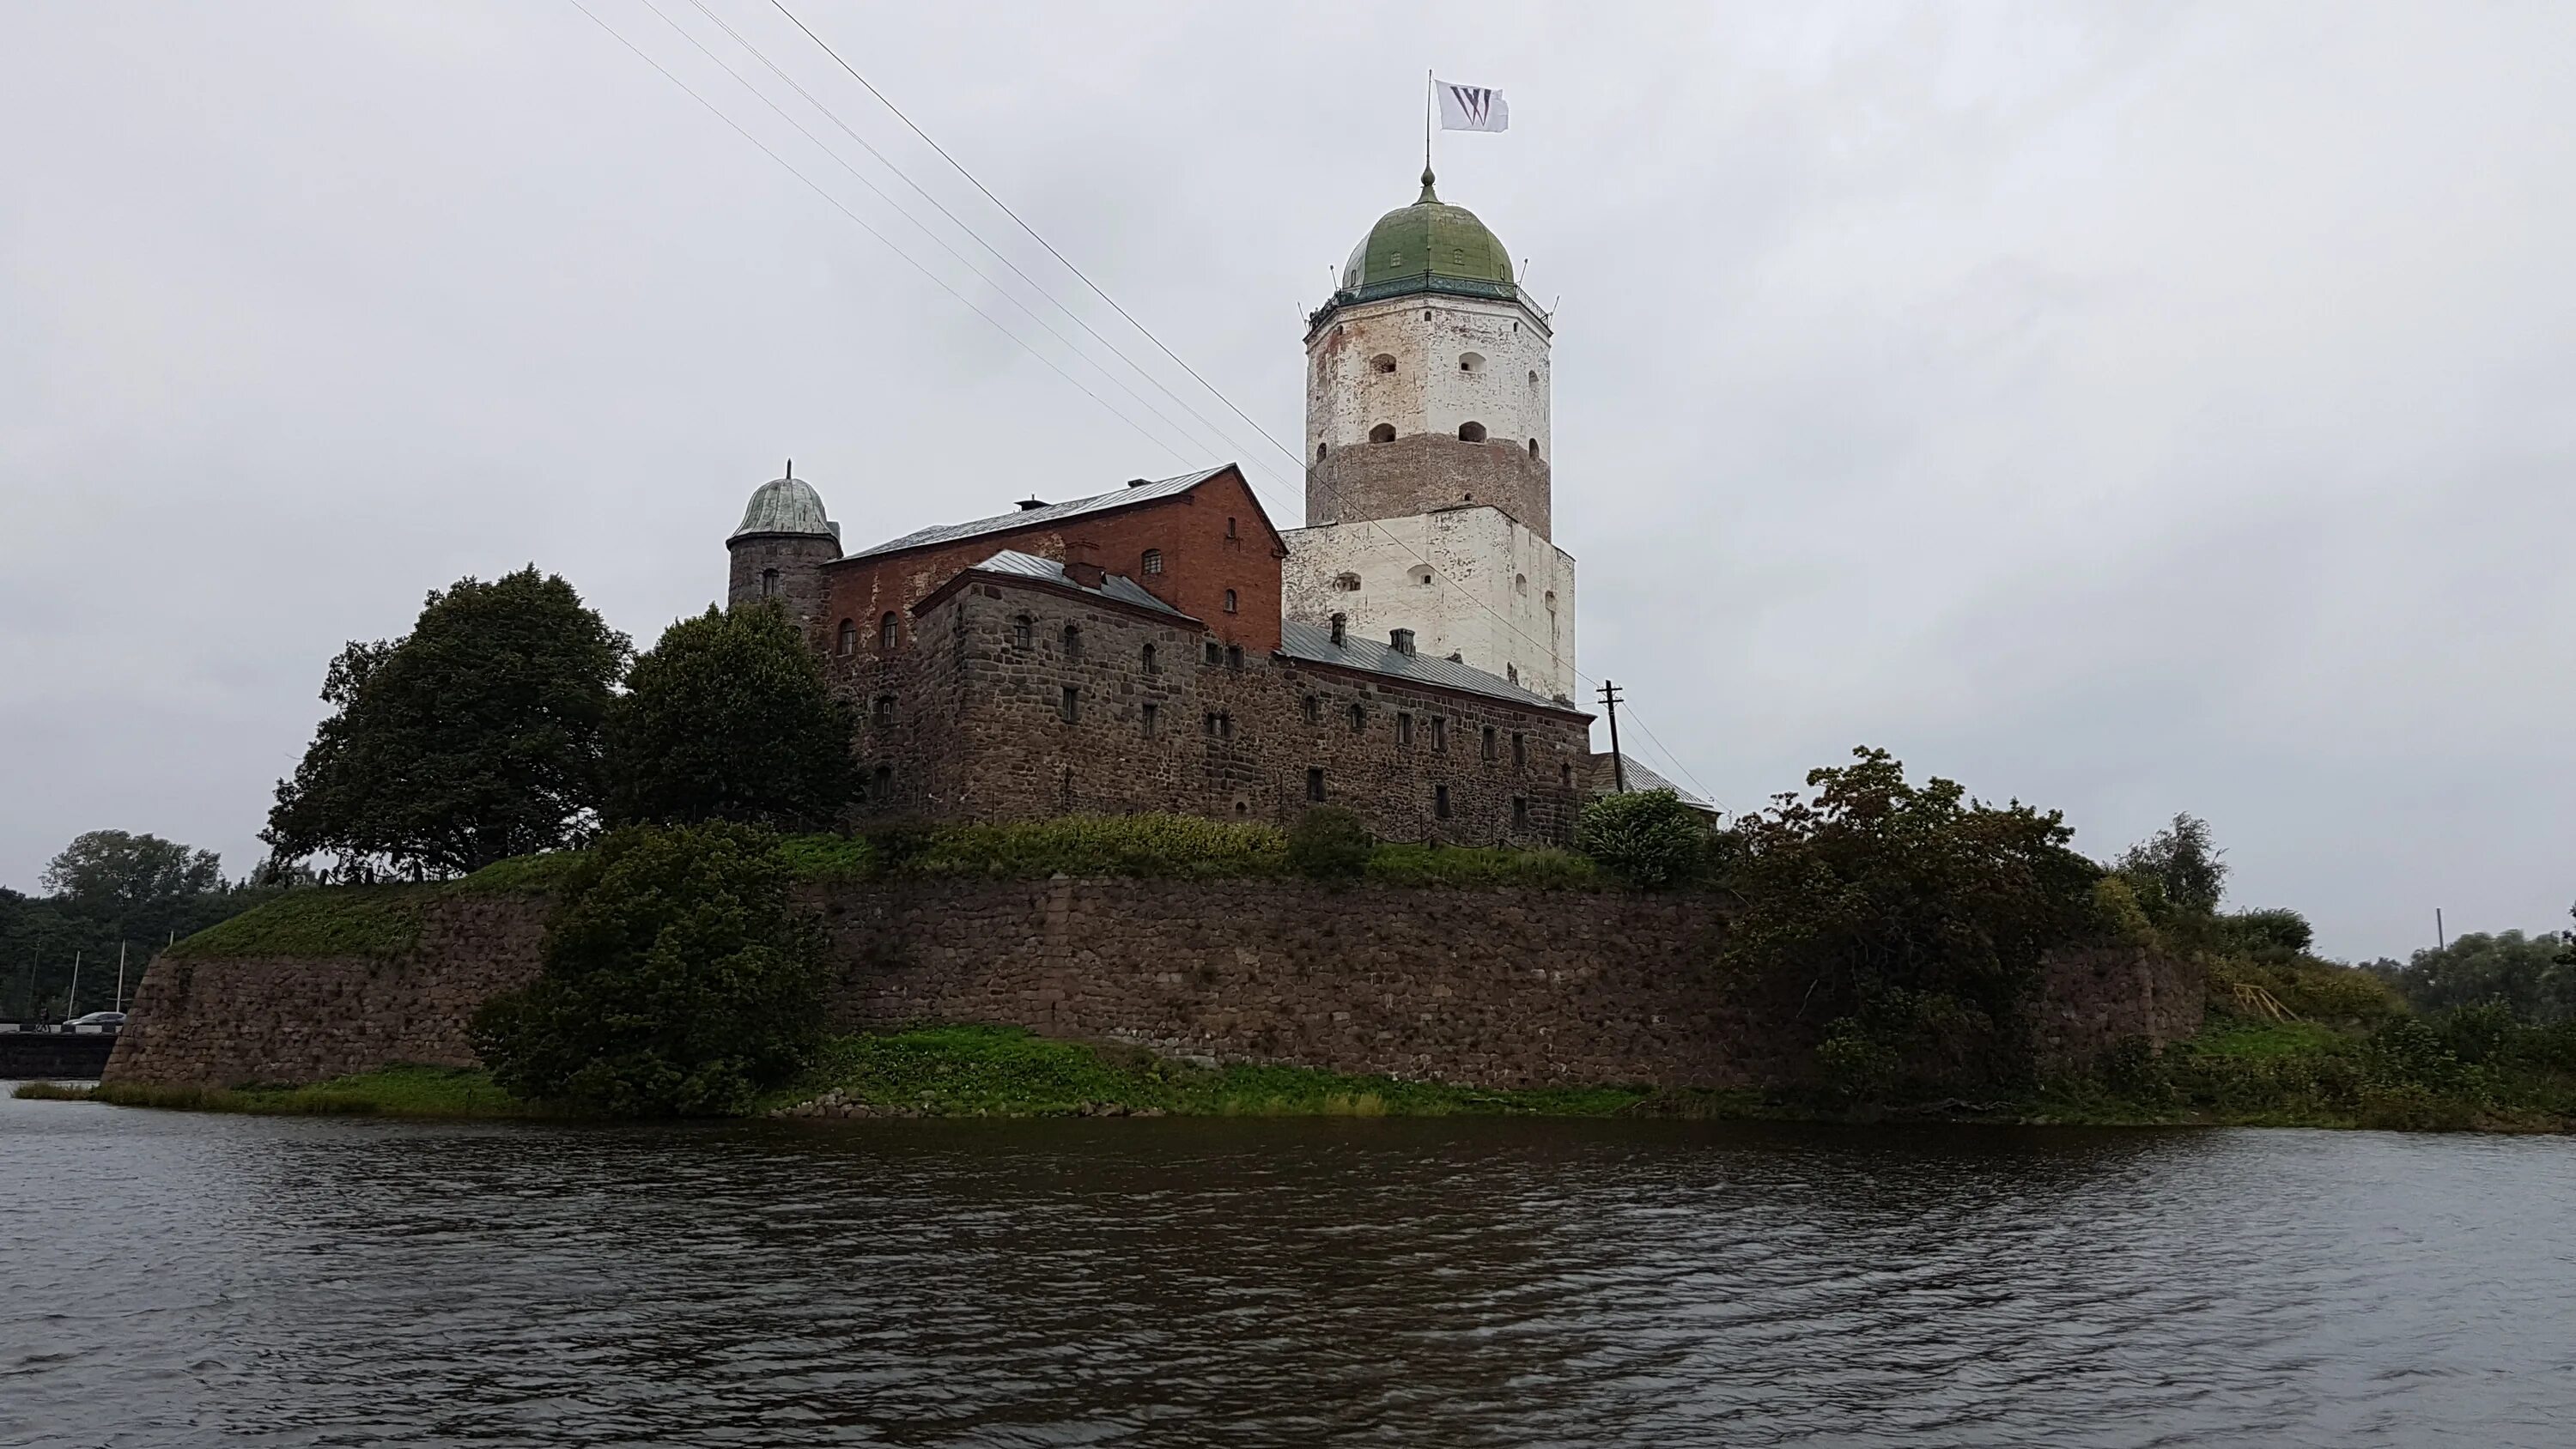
point(1471, 108)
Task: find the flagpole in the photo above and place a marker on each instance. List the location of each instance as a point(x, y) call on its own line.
point(1427, 89)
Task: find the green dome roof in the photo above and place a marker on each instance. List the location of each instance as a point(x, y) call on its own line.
point(1429, 246)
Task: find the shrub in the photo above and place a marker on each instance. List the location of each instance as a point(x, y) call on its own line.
point(728, 718)
point(678, 980)
point(1647, 838)
point(1463, 865)
point(1329, 843)
point(1122, 845)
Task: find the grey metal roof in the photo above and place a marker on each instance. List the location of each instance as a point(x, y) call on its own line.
point(1117, 498)
point(1314, 644)
point(1117, 587)
point(785, 505)
point(1640, 778)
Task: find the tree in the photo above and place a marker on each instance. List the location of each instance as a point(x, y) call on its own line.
point(678, 980)
point(2525, 974)
point(1910, 920)
point(111, 870)
point(1647, 838)
point(728, 718)
point(473, 738)
point(2176, 869)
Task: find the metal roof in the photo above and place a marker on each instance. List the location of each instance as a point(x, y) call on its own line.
point(1314, 644)
point(1053, 512)
point(1118, 588)
point(1640, 778)
point(785, 505)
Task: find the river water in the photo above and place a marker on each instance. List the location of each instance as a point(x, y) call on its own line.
point(181, 1279)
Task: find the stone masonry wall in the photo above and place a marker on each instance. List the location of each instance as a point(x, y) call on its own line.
point(1496, 988)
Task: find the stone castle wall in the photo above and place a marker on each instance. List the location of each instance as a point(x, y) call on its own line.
point(1481, 987)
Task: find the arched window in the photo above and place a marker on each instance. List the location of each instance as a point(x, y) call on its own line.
point(849, 640)
point(769, 578)
point(886, 632)
point(1471, 362)
point(1319, 452)
point(1551, 601)
point(1153, 560)
point(1471, 432)
point(1359, 719)
point(1520, 583)
point(1229, 601)
point(1533, 447)
point(1072, 644)
point(1150, 666)
point(1421, 573)
point(882, 711)
point(1021, 631)
point(1533, 379)
point(1347, 583)
point(1383, 362)
point(1382, 433)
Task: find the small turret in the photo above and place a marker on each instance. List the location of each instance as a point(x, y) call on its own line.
point(780, 548)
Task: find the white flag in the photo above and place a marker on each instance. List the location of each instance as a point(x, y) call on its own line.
point(1471, 108)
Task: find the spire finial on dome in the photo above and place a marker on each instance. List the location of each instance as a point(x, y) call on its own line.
point(791, 467)
point(1427, 193)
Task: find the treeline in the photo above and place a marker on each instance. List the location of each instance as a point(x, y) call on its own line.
point(108, 891)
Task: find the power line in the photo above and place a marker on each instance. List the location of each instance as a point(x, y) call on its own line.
point(861, 223)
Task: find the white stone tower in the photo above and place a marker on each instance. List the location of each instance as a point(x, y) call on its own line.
point(1428, 454)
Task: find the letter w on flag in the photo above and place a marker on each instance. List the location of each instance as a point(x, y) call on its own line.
point(1472, 108)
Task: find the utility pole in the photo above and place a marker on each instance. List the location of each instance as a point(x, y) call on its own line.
point(1618, 761)
point(2440, 941)
point(71, 998)
point(120, 976)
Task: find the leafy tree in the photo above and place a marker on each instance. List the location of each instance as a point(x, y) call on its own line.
point(2273, 933)
point(1909, 920)
point(2524, 974)
point(2176, 870)
point(679, 980)
point(474, 738)
point(1329, 843)
point(1647, 838)
point(728, 718)
point(113, 869)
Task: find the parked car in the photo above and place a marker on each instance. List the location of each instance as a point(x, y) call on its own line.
point(98, 1018)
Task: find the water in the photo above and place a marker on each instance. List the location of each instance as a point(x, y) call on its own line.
point(177, 1279)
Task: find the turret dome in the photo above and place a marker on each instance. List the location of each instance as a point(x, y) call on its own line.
point(1429, 246)
point(786, 505)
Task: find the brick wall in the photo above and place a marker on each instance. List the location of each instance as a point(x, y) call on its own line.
point(1498, 987)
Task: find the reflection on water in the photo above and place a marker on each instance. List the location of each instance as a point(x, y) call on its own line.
point(178, 1280)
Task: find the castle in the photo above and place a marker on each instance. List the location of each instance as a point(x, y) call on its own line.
point(1163, 646)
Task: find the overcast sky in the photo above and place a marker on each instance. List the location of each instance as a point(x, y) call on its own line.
point(2128, 408)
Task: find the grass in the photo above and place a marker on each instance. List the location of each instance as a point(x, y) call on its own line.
point(1457, 865)
point(984, 1071)
point(544, 871)
point(379, 921)
point(396, 1091)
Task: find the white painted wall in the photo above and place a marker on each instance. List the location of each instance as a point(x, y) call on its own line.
point(1500, 596)
point(1428, 392)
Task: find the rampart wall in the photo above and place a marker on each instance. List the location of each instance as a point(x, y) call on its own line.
point(1506, 987)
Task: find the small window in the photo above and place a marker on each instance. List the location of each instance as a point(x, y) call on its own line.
point(1150, 666)
point(1439, 733)
point(1565, 775)
point(1022, 629)
point(1314, 710)
point(1471, 362)
point(1315, 784)
point(1520, 812)
point(1520, 748)
point(1152, 716)
point(1225, 724)
point(1487, 748)
point(769, 578)
point(1229, 602)
point(884, 792)
point(1347, 583)
point(1153, 561)
point(1359, 719)
point(882, 711)
point(1520, 583)
point(1382, 433)
point(1072, 644)
point(1404, 727)
point(1070, 703)
point(1471, 432)
point(1319, 452)
point(1421, 573)
point(1533, 379)
point(1211, 722)
point(1215, 652)
point(1533, 447)
point(1229, 528)
point(1234, 656)
point(849, 639)
point(1511, 674)
point(1440, 801)
point(1383, 362)
point(886, 632)
point(1551, 601)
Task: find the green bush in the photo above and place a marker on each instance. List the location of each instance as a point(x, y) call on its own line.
point(1647, 838)
point(1329, 843)
point(1112, 845)
point(678, 980)
point(1464, 865)
point(831, 857)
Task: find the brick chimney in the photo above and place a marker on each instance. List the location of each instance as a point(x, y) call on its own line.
point(1402, 639)
point(1082, 563)
point(1341, 626)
